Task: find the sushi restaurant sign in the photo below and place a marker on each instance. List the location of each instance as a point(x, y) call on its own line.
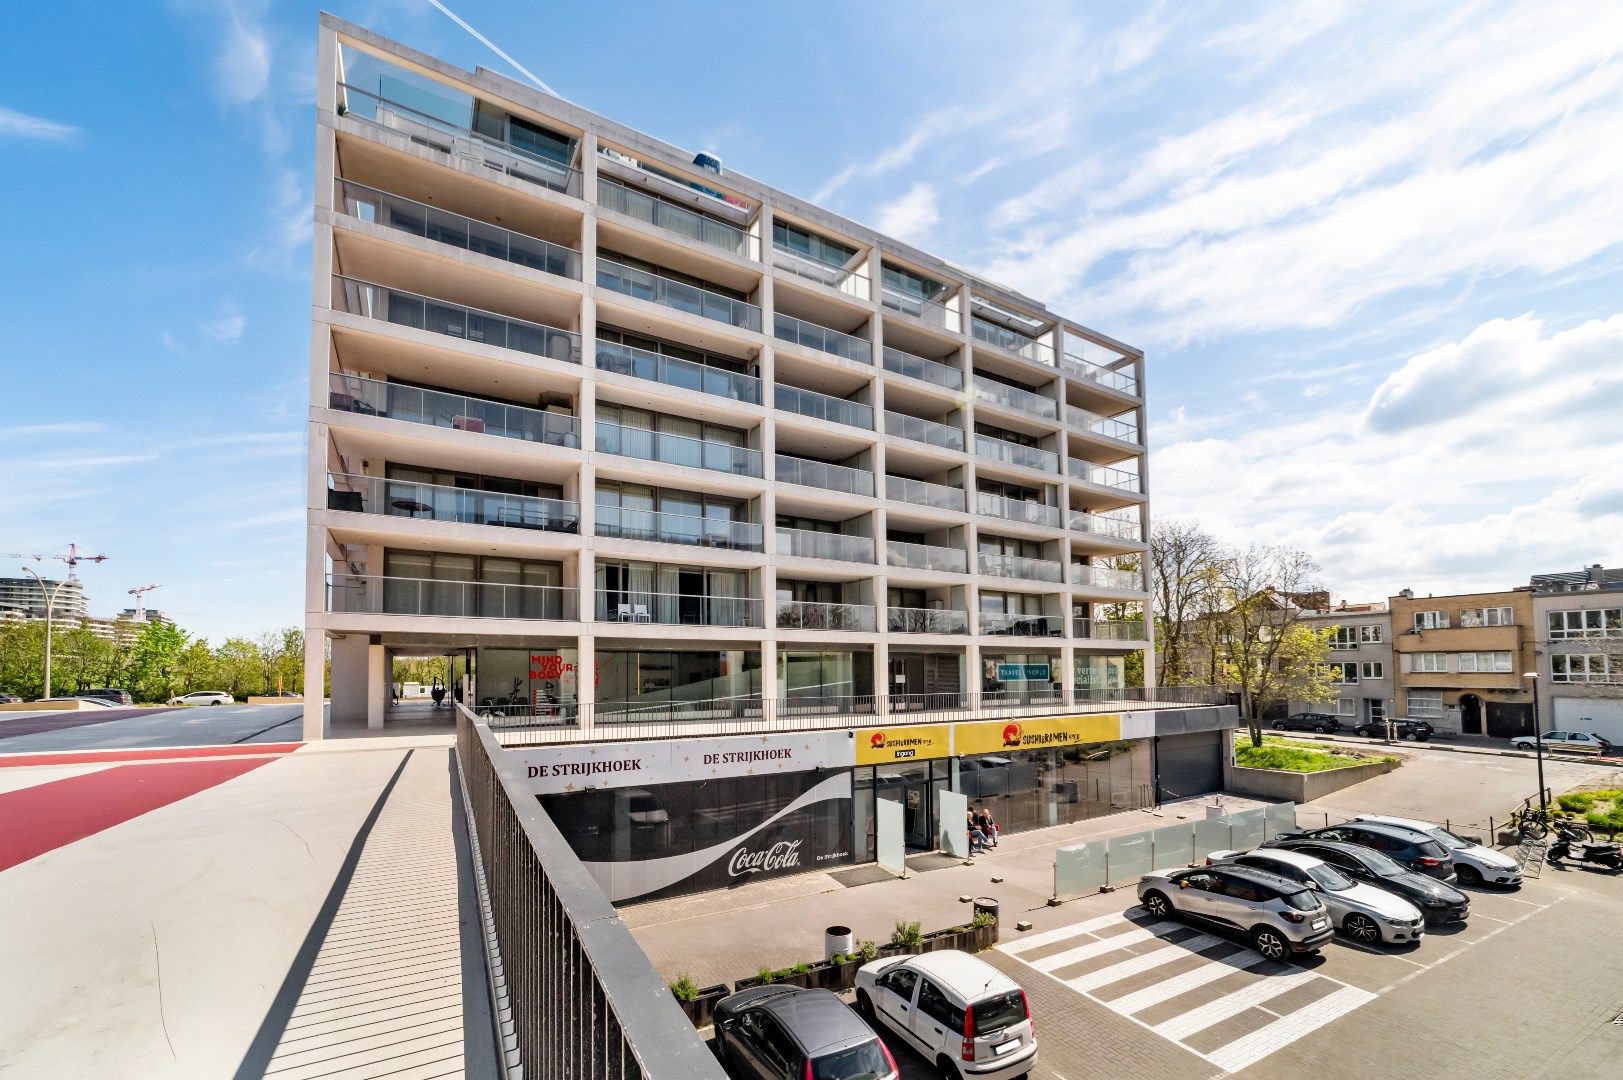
point(1001, 736)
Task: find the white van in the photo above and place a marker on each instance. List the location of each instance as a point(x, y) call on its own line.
point(965, 1016)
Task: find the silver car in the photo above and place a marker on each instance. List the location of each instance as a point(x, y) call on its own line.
point(1473, 863)
point(1364, 913)
point(1279, 916)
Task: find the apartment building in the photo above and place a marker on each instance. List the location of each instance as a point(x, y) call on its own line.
point(630, 438)
point(1461, 660)
point(1578, 617)
point(1361, 659)
point(24, 597)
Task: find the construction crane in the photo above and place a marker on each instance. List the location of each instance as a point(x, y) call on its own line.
point(72, 558)
point(139, 592)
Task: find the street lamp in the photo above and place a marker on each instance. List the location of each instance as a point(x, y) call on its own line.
point(1538, 742)
point(50, 596)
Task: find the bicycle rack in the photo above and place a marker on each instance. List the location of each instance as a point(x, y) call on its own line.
point(1530, 857)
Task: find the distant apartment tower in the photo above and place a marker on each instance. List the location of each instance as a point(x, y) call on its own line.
point(599, 423)
point(1578, 617)
point(23, 596)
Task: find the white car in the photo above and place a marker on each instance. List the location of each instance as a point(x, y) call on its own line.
point(1573, 742)
point(203, 697)
point(965, 1016)
point(1364, 913)
point(1473, 863)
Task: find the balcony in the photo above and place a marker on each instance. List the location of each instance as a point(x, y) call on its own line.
point(926, 557)
point(1013, 397)
point(669, 449)
point(919, 429)
point(822, 406)
point(374, 594)
point(677, 295)
point(923, 493)
point(403, 308)
point(809, 544)
point(1099, 525)
point(1106, 577)
point(820, 474)
point(821, 339)
point(676, 609)
point(1107, 629)
point(1011, 341)
point(1014, 566)
point(1109, 427)
point(1103, 475)
point(1030, 457)
point(461, 143)
point(930, 312)
point(675, 371)
point(436, 408)
point(443, 227)
point(627, 523)
point(806, 615)
point(1109, 378)
point(436, 502)
point(1005, 624)
point(838, 278)
point(1020, 510)
point(917, 367)
point(908, 620)
point(662, 214)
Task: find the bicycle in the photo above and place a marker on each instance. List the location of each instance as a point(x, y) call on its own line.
point(1534, 823)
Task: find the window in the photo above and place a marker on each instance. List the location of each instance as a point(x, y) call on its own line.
point(1485, 661)
point(901, 983)
point(1344, 673)
point(934, 1004)
point(1425, 661)
point(1595, 622)
point(1374, 670)
point(1493, 616)
point(1370, 634)
point(1346, 706)
point(1586, 667)
point(1431, 620)
point(1426, 704)
point(1346, 637)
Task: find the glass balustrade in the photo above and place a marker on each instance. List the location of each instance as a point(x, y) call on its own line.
point(1011, 341)
point(438, 502)
point(388, 304)
point(917, 367)
point(822, 406)
point(1107, 630)
point(675, 371)
point(1109, 427)
point(931, 312)
point(676, 609)
point(926, 557)
point(850, 282)
point(1109, 378)
point(923, 493)
point(670, 449)
point(1106, 577)
point(820, 474)
point(822, 339)
point(919, 429)
point(1013, 397)
point(1030, 513)
point(1099, 525)
point(809, 544)
point(1103, 475)
point(677, 295)
point(436, 408)
point(905, 620)
point(627, 523)
point(1030, 457)
point(663, 214)
point(1010, 625)
point(806, 615)
point(375, 594)
point(1015, 566)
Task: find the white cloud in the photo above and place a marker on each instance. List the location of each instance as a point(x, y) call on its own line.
point(243, 65)
point(20, 125)
point(912, 216)
point(227, 329)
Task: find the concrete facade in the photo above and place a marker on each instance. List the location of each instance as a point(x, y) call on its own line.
point(1460, 660)
point(1579, 623)
point(1363, 639)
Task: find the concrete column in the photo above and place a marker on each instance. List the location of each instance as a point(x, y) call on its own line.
point(377, 685)
point(972, 675)
point(769, 668)
point(764, 300)
point(349, 663)
point(882, 685)
point(1067, 663)
point(315, 683)
point(586, 680)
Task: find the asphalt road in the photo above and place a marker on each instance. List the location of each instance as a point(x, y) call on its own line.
point(194, 725)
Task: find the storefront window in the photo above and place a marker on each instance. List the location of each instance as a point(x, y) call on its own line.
point(830, 676)
point(544, 677)
point(653, 680)
point(1100, 672)
point(1033, 789)
point(1020, 678)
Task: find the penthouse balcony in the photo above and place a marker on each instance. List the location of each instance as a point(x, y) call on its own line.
point(1007, 624)
point(453, 230)
point(1015, 566)
point(822, 474)
point(1014, 397)
point(1103, 475)
point(923, 493)
point(810, 544)
point(809, 335)
point(822, 406)
point(388, 304)
point(1011, 341)
point(906, 620)
point(839, 278)
point(626, 523)
point(673, 218)
point(1121, 381)
point(1109, 427)
point(807, 615)
point(917, 367)
point(439, 408)
point(675, 371)
point(926, 557)
point(1081, 521)
point(376, 594)
point(1106, 577)
point(649, 445)
point(676, 609)
point(930, 312)
point(1107, 629)
point(437, 502)
point(919, 429)
point(676, 295)
point(1030, 457)
point(1030, 513)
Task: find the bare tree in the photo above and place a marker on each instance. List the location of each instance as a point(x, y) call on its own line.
point(1185, 564)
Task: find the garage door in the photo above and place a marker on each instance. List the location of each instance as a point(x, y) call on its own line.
point(1604, 717)
point(1189, 764)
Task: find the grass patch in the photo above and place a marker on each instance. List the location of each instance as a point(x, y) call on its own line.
point(1601, 807)
point(1294, 757)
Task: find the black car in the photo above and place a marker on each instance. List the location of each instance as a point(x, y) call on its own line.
point(771, 1032)
point(1438, 902)
point(1402, 728)
point(1323, 723)
point(117, 697)
point(1413, 850)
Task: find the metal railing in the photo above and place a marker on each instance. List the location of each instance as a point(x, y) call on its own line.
point(1081, 521)
point(923, 493)
point(808, 615)
point(436, 408)
point(918, 367)
point(1109, 427)
point(678, 295)
point(440, 502)
point(911, 620)
point(809, 544)
point(675, 371)
point(918, 429)
point(649, 445)
point(1103, 475)
point(664, 214)
point(930, 312)
point(822, 406)
point(820, 474)
point(583, 999)
point(676, 609)
point(850, 282)
point(809, 335)
point(1011, 625)
point(1029, 457)
point(378, 594)
point(1015, 566)
point(462, 143)
point(1010, 341)
point(1109, 378)
point(1015, 397)
point(1026, 695)
point(402, 308)
point(1151, 697)
point(627, 523)
point(443, 227)
point(926, 557)
point(1106, 577)
point(1031, 513)
point(1107, 629)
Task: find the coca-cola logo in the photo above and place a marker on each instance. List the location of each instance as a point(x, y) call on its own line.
point(784, 855)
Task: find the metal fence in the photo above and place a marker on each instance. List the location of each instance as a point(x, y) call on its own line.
point(1088, 867)
point(584, 1001)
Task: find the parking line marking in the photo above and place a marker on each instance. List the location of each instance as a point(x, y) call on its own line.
point(1265, 1040)
point(1215, 1012)
point(1189, 980)
point(1347, 943)
point(1102, 946)
point(1144, 962)
point(1490, 918)
point(1048, 937)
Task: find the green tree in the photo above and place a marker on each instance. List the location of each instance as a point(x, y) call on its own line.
point(155, 666)
point(239, 668)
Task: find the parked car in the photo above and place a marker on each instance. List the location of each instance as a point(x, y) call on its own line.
point(965, 1016)
point(1473, 863)
point(1366, 914)
point(1402, 728)
point(773, 1032)
point(10, 699)
point(1323, 723)
point(117, 697)
point(1278, 916)
point(1415, 851)
point(1572, 742)
point(1439, 903)
point(203, 697)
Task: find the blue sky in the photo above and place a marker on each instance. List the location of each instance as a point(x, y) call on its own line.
point(1374, 252)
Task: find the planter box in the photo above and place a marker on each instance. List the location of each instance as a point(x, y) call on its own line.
point(702, 1009)
point(845, 975)
point(1298, 787)
point(895, 950)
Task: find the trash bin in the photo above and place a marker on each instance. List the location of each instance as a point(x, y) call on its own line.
point(838, 939)
point(986, 904)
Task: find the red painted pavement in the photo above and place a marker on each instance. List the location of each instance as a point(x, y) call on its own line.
point(45, 817)
point(96, 757)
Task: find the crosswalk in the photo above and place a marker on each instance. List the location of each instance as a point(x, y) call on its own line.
point(1212, 995)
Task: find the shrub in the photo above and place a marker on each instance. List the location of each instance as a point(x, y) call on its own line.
point(839, 958)
point(800, 968)
point(1610, 820)
point(765, 975)
point(982, 918)
point(867, 951)
point(685, 989)
point(1576, 802)
point(907, 934)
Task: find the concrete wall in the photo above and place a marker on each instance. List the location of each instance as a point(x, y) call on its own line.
point(1297, 787)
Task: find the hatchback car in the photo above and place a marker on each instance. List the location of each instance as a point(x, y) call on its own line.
point(965, 1016)
point(1473, 863)
point(117, 697)
point(1278, 916)
point(1578, 742)
point(10, 699)
point(203, 697)
point(1402, 727)
point(1439, 903)
point(1364, 913)
point(1323, 723)
point(1416, 851)
point(778, 1032)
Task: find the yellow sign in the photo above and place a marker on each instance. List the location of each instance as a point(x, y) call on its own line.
point(883, 746)
point(1001, 736)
